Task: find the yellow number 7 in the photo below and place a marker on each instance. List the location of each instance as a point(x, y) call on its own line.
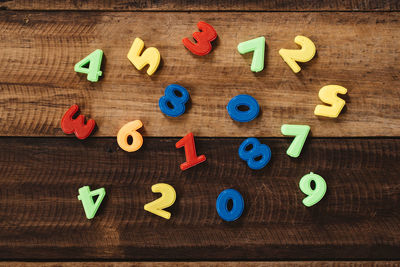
point(166, 200)
point(150, 56)
point(306, 53)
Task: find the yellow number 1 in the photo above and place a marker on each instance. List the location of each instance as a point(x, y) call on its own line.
point(306, 53)
point(328, 95)
point(150, 56)
point(167, 199)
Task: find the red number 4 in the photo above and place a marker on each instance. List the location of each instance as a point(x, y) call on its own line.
point(190, 151)
point(203, 38)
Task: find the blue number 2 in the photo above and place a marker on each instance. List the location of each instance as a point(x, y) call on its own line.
point(237, 207)
point(257, 150)
point(177, 103)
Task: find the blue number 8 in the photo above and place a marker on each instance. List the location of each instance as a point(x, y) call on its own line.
point(258, 150)
point(177, 102)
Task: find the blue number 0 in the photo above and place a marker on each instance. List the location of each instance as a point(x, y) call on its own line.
point(243, 100)
point(177, 103)
point(237, 207)
point(257, 150)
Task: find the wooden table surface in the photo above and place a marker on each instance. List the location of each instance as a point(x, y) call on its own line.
point(42, 223)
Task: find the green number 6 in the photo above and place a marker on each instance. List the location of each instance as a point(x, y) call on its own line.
point(313, 195)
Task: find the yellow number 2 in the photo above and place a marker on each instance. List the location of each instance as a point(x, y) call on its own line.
point(127, 130)
point(166, 200)
point(306, 53)
point(328, 95)
point(150, 56)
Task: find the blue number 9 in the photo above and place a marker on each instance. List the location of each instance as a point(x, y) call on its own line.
point(177, 103)
point(257, 150)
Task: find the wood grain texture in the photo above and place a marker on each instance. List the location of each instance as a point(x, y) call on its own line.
point(41, 218)
point(359, 51)
point(210, 264)
point(221, 5)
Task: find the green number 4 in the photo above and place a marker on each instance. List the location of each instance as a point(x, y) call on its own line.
point(91, 65)
point(86, 196)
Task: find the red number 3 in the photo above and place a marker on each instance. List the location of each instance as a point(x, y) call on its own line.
point(203, 38)
point(77, 126)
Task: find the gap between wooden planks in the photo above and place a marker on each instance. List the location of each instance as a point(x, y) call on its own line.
point(42, 219)
point(222, 5)
point(210, 264)
point(38, 50)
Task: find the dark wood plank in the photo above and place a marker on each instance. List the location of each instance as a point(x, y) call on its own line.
point(41, 218)
point(186, 5)
point(210, 264)
point(359, 51)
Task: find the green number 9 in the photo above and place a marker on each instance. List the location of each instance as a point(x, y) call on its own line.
point(313, 195)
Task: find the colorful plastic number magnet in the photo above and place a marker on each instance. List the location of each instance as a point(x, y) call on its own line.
point(237, 207)
point(130, 129)
point(313, 195)
point(328, 95)
point(258, 46)
point(243, 100)
point(203, 38)
point(167, 199)
point(177, 102)
point(190, 151)
point(258, 156)
point(86, 196)
point(77, 126)
point(300, 132)
point(150, 56)
point(306, 53)
point(93, 71)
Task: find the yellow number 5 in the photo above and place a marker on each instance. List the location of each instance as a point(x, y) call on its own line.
point(306, 53)
point(150, 56)
point(166, 200)
point(328, 95)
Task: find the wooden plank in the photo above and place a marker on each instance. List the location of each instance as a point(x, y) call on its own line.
point(41, 218)
point(38, 84)
point(204, 5)
point(210, 264)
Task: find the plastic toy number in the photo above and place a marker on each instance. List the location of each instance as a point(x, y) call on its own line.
point(243, 101)
point(190, 151)
point(166, 200)
point(93, 71)
point(177, 103)
point(258, 156)
point(328, 95)
point(203, 38)
point(313, 195)
point(258, 46)
point(306, 53)
point(222, 205)
point(150, 56)
point(130, 129)
point(86, 196)
point(300, 132)
point(77, 126)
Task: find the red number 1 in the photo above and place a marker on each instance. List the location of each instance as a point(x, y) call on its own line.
point(190, 151)
point(203, 38)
